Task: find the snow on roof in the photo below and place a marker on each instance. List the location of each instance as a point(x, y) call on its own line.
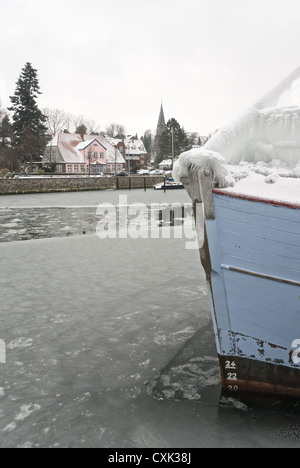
point(70, 144)
point(132, 146)
point(68, 147)
point(87, 143)
point(113, 155)
point(84, 144)
point(135, 147)
point(53, 142)
point(265, 137)
point(166, 162)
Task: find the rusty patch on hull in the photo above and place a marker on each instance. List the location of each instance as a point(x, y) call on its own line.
point(246, 375)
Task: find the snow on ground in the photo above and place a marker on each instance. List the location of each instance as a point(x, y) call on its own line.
point(87, 322)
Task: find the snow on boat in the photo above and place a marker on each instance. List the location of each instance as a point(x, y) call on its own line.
point(169, 184)
point(245, 187)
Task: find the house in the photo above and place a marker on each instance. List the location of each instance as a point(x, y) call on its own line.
point(136, 151)
point(83, 154)
point(133, 150)
point(166, 165)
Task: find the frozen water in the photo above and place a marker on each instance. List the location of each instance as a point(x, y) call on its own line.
point(31, 216)
point(80, 317)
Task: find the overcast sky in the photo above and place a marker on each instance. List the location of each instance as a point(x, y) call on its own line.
point(116, 60)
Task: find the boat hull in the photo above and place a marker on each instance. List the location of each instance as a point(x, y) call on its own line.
point(250, 252)
point(168, 187)
point(254, 250)
point(241, 375)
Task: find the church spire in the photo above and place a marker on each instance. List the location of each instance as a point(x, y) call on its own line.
point(161, 121)
point(161, 126)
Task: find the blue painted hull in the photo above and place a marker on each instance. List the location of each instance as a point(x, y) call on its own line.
point(254, 284)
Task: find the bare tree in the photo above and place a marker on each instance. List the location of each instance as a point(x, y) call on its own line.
point(91, 125)
point(111, 130)
point(115, 130)
point(57, 120)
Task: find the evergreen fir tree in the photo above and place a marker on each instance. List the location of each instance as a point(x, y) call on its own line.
point(165, 141)
point(148, 143)
point(81, 129)
point(5, 130)
point(29, 131)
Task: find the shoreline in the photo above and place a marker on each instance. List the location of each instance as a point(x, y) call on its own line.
point(65, 184)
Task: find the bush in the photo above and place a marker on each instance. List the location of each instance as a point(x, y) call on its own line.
point(4, 172)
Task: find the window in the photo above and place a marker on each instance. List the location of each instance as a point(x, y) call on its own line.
point(76, 169)
point(96, 155)
point(101, 155)
point(82, 168)
point(89, 154)
point(58, 168)
point(69, 168)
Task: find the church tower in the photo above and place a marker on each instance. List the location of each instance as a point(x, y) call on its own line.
point(161, 125)
point(161, 121)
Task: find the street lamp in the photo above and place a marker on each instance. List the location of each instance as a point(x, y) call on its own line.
point(172, 131)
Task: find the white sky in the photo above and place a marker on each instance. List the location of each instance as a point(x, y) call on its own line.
point(115, 60)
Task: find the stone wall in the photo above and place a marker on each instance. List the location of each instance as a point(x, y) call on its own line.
point(70, 184)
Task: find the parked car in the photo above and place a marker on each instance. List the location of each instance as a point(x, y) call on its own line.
point(143, 172)
point(122, 174)
point(157, 172)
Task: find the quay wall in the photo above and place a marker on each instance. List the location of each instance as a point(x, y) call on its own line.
point(68, 184)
